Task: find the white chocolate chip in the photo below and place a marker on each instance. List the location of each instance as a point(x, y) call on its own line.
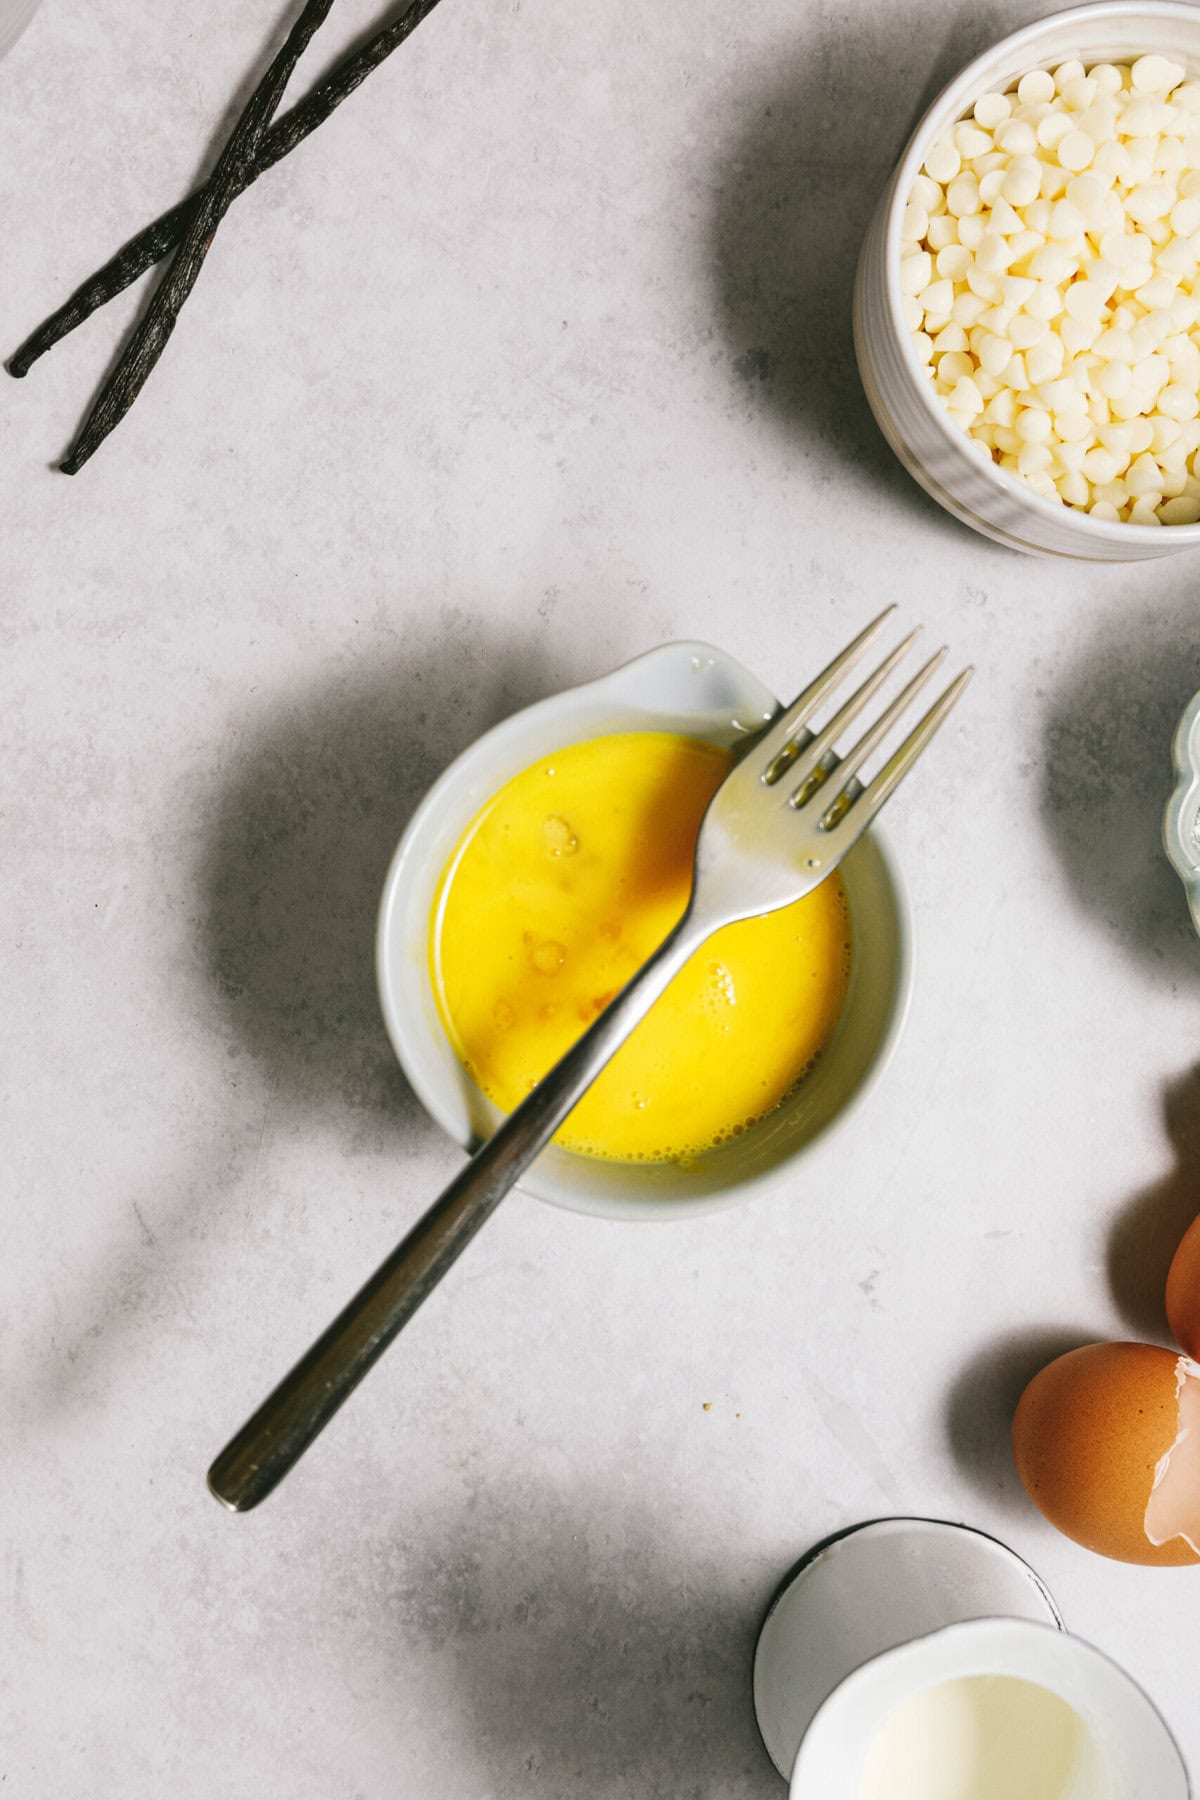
point(1037, 85)
point(915, 272)
point(1022, 182)
point(966, 396)
point(1052, 128)
point(1142, 475)
point(1138, 119)
point(1079, 94)
point(1033, 425)
point(991, 110)
point(915, 223)
point(1113, 379)
point(1102, 465)
point(951, 337)
point(1155, 75)
point(1178, 402)
point(1075, 151)
point(1044, 360)
point(1107, 78)
point(1153, 200)
point(1084, 300)
point(943, 163)
point(937, 299)
point(1046, 303)
point(1068, 72)
point(954, 367)
point(995, 353)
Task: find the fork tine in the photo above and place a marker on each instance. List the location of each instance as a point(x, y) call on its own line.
point(849, 765)
point(863, 809)
point(777, 741)
point(809, 760)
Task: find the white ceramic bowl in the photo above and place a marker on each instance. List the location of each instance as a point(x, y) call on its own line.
point(1181, 824)
point(695, 689)
point(910, 414)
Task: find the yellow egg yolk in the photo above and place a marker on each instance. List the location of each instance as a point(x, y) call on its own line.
point(559, 890)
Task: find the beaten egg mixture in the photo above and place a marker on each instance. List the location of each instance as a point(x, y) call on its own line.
point(559, 890)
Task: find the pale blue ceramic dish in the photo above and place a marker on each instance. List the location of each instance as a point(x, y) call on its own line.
point(1181, 823)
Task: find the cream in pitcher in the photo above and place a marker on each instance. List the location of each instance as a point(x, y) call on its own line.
point(989, 1710)
point(916, 1659)
point(981, 1737)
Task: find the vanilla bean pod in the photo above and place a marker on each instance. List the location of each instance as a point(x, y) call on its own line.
point(156, 240)
point(153, 331)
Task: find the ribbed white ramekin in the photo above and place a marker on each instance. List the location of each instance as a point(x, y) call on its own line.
point(911, 415)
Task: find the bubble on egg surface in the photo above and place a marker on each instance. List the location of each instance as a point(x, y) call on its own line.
point(558, 838)
point(719, 990)
point(1183, 1292)
point(1107, 1445)
point(548, 956)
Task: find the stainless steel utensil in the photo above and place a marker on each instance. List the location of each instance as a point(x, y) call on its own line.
point(781, 821)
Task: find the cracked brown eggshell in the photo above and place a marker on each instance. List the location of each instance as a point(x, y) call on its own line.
point(1095, 1435)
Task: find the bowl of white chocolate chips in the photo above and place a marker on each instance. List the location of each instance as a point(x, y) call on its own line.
point(1027, 309)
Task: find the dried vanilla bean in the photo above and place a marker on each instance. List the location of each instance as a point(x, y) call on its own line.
point(158, 239)
point(153, 331)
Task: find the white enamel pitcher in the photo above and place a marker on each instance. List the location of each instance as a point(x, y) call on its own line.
point(1126, 1753)
point(878, 1616)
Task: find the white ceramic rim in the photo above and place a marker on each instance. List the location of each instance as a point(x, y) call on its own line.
point(424, 1079)
point(958, 94)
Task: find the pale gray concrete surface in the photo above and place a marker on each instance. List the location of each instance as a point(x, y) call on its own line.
point(536, 355)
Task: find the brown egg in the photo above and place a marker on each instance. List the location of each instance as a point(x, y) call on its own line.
point(1090, 1437)
point(1183, 1292)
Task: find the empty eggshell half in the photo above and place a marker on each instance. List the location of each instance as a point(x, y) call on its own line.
point(1183, 1292)
point(1107, 1445)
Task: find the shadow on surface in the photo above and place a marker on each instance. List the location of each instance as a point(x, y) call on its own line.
point(305, 810)
point(1149, 1228)
point(587, 1651)
point(305, 828)
point(795, 194)
point(980, 1404)
point(1107, 776)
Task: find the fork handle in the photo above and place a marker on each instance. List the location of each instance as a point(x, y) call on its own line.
point(286, 1423)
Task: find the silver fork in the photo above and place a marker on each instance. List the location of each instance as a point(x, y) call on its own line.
point(781, 821)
